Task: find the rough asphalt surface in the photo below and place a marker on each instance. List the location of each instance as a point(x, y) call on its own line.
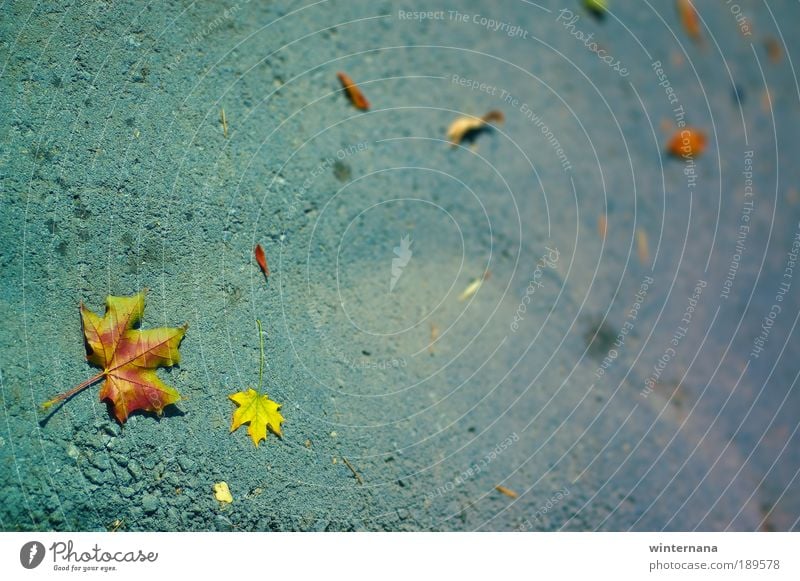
point(617, 385)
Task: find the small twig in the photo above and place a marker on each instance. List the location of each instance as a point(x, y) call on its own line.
point(261, 362)
point(224, 120)
point(353, 470)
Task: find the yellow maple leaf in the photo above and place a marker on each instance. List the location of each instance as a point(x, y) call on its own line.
point(255, 408)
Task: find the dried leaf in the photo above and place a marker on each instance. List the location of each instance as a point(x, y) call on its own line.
point(471, 289)
point(596, 8)
point(261, 259)
point(507, 491)
point(688, 142)
point(466, 125)
point(222, 493)
point(602, 226)
point(774, 49)
point(129, 357)
point(434, 337)
point(642, 246)
point(690, 19)
point(766, 101)
point(355, 95)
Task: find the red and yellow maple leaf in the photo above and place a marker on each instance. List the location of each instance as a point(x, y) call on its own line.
point(129, 357)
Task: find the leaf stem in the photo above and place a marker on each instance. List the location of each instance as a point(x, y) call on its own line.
point(261, 361)
point(74, 390)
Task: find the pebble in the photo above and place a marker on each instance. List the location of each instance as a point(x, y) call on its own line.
point(135, 469)
point(186, 463)
point(307, 522)
point(173, 515)
point(100, 461)
point(172, 479)
point(149, 503)
point(73, 452)
point(122, 476)
point(95, 441)
point(98, 477)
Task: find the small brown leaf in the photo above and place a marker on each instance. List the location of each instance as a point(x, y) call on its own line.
point(355, 95)
point(466, 125)
point(642, 247)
